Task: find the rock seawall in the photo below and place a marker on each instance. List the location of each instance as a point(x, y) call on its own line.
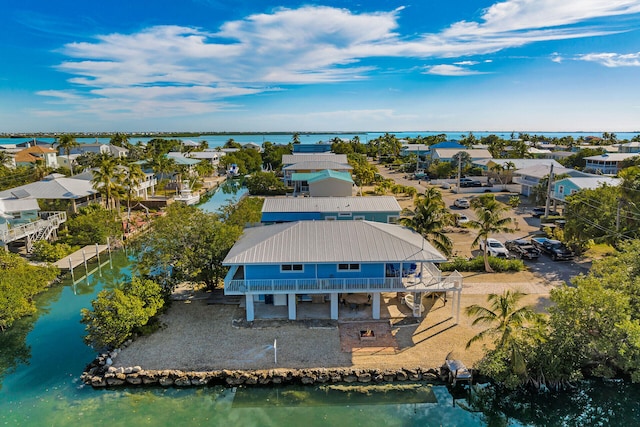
point(101, 374)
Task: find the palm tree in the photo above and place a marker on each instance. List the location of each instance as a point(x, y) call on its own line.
point(106, 176)
point(132, 177)
point(120, 140)
point(492, 218)
point(67, 143)
point(5, 158)
point(429, 219)
point(507, 320)
point(162, 165)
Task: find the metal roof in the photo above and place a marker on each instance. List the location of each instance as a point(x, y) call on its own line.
point(318, 166)
point(59, 188)
point(331, 204)
point(322, 175)
point(289, 159)
point(331, 242)
point(592, 182)
point(18, 205)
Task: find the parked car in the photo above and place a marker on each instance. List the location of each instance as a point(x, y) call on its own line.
point(522, 248)
point(462, 203)
point(461, 219)
point(554, 248)
point(468, 182)
point(494, 248)
point(538, 212)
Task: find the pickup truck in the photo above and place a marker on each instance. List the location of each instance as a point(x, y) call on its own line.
point(522, 248)
point(554, 248)
point(468, 182)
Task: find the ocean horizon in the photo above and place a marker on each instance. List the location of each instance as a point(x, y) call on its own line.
point(218, 139)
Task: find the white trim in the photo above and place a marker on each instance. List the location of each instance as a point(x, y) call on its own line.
point(344, 214)
point(392, 219)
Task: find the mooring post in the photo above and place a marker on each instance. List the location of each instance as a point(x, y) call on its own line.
point(99, 263)
point(275, 351)
point(109, 249)
point(86, 269)
point(73, 279)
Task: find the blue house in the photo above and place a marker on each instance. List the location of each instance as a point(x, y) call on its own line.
point(290, 263)
point(290, 209)
point(323, 183)
point(568, 186)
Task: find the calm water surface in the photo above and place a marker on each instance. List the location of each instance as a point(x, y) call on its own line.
point(42, 357)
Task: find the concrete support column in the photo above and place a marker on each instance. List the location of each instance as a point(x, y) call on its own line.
point(291, 300)
point(375, 305)
point(334, 305)
point(249, 307)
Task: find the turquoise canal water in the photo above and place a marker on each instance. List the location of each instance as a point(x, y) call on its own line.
point(42, 357)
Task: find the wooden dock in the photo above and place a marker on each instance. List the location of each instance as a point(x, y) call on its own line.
point(80, 256)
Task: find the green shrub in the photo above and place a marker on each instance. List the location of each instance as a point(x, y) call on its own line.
point(117, 315)
point(499, 265)
point(47, 252)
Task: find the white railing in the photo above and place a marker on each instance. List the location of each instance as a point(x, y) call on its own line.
point(321, 286)
point(51, 220)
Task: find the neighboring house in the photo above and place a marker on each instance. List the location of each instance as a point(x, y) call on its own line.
point(447, 154)
point(188, 143)
point(21, 220)
point(211, 155)
point(253, 146)
point(321, 147)
point(539, 153)
point(57, 187)
point(530, 177)
point(32, 155)
point(325, 183)
point(629, 147)
point(305, 163)
point(181, 160)
point(420, 150)
point(290, 209)
point(607, 163)
point(141, 190)
point(487, 164)
point(568, 186)
point(287, 264)
point(96, 148)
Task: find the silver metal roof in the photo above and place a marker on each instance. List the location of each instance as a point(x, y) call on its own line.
point(331, 242)
point(331, 204)
point(18, 205)
point(289, 159)
point(59, 188)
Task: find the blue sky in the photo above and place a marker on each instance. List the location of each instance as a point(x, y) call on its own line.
point(222, 65)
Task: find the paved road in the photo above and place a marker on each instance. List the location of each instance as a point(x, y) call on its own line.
point(527, 226)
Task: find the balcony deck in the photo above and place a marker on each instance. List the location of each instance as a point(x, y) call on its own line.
point(324, 286)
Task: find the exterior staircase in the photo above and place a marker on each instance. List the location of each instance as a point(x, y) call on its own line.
point(41, 229)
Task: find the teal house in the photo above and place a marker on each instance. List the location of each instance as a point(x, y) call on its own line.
point(331, 262)
point(323, 183)
point(289, 209)
point(568, 186)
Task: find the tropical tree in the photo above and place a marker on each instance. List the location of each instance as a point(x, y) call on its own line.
point(5, 158)
point(106, 178)
point(507, 321)
point(132, 176)
point(162, 165)
point(120, 140)
point(430, 217)
point(67, 143)
point(492, 217)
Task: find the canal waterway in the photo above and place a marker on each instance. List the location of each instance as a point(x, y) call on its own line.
point(42, 357)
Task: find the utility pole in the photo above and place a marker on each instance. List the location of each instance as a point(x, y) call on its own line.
point(459, 170)
point(549, 184)
point(618, 215)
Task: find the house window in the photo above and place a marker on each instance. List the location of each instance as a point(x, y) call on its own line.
point(392, 219)
point(344, 214)
point(561, 189)
point(359, 218)
point(291, 268)
point(330, 218)
point(348, 267)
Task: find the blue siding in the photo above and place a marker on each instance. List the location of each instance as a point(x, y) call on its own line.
point(325, 271)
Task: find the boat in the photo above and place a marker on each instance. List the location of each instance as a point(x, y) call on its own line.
point(186, 196)
point(233, 170)
point(410, 302)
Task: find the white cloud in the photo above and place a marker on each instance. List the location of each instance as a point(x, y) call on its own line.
point(613, 59)
point(450, 70)
point(191, 70)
